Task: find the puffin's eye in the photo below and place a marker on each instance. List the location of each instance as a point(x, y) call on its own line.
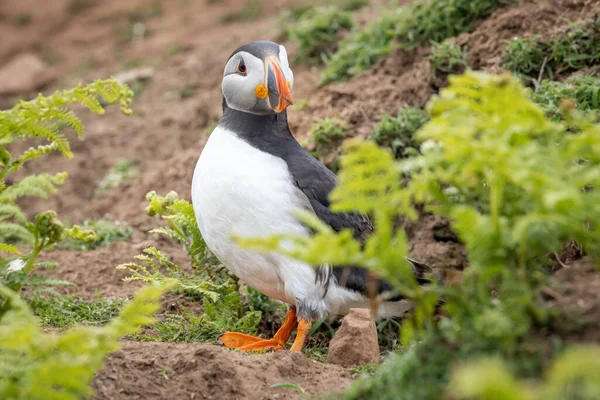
point(242, 68)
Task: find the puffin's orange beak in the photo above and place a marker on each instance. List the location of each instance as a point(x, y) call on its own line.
point(280, 95)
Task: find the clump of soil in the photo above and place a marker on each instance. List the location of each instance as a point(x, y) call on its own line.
point(199, 371)
point(575, 291)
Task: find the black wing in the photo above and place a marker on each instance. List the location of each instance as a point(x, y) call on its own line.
point(315, 182)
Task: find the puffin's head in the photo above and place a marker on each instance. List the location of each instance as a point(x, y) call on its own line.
point(258, 79)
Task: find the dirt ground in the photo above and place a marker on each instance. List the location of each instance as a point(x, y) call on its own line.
point(186, 44)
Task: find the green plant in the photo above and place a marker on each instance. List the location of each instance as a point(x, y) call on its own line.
point(41, 118)
point(573, 375)
point(426, 21)
point(326, 131)
point(208, 281)
point(317, 32)
point(37, 365)
point(226, 313)
point(64, 311)
point(361, 49)
point(516, 187)
point(420, 23)
point(537, 58)
point(23, 20)
point(123, 171)
point(107, 232)
point(584, 90)
point(397, 132)
point(447, 58)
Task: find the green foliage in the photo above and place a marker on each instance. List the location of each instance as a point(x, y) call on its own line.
point(573, 375)
point(208, 281)
point(65, 311)
point(227, 313)
point(418, 372)
point(317, 31)
point(397, 132)
point(421, 22)
point(36, 365)
point(123, 171)
point(362, 48)
point(447, 58)
point(426, 21)
point(584, 90)
point(516, 187)
point(327, 131)
point(106, 231)
point(572, 50)
point(41, 118)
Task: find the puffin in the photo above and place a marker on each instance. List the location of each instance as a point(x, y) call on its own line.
point(249, 179)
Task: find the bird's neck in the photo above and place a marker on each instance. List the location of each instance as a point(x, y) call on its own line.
point(257, 128)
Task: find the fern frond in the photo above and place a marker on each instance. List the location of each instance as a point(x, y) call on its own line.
point(36, 280)
point(34, 185)
point(9, 248)
point(15, 231)
point(33, 153)
point(89, 100)
point(33, 361)
point(30, 128)
point(8, 210)
point(68, 117)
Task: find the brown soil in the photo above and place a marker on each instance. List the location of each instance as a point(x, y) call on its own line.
point(200, 371)
point(186, 44)
point(575, 290)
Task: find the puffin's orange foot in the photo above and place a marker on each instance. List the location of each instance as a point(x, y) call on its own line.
point(243, 342)
point(234, 340)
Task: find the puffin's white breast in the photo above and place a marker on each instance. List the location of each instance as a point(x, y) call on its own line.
point(238, 189)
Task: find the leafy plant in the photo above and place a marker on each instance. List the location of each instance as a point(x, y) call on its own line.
point(37, 365)
point(447, 58)
point(41, 118)
point(123, 171)
point(537, 58)
point(317, 32)
point(227, 313)
point(107, 232)
point(397, 132)
point(361, 49)
point(422, 22)
point(327, 131)
point(64, 311)
point(515, 185)
point(425, 21)
point(584, 90)
point(573, 375)
point(209, 281)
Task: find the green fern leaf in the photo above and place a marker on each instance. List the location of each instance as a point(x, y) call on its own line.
point(69, 117)
point(9, 248)
point(8, 210)
point(15, 232)
point(34, 185)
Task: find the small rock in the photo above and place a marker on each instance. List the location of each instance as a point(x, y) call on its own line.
point(355, 343)
point(24, 73)
point(134, 74)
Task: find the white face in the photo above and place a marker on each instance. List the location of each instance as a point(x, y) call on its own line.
point(258, 86)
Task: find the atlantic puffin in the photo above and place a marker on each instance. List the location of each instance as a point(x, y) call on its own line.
point(250, 176)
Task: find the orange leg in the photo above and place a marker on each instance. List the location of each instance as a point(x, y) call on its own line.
point(303, 329)
point(240, 341)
